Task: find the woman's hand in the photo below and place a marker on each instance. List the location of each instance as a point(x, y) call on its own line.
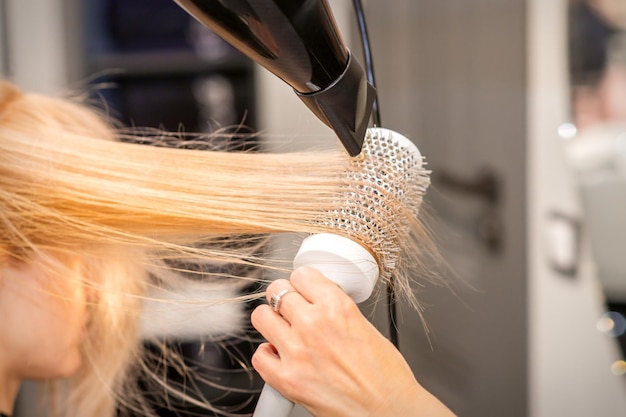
point(323, 354)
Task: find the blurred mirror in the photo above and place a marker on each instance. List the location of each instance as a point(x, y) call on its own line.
point(596, 145)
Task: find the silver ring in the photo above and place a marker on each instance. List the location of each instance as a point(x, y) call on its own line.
point(275, 300)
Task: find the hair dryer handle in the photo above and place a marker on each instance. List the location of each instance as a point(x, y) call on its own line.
point(346, 263)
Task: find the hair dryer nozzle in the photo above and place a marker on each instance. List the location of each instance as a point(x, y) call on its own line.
point(345, 106)
point(298, 41)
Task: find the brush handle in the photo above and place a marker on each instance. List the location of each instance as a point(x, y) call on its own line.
point(344, 262)
point(272, 404)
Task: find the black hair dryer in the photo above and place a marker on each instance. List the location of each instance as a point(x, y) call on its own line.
point(299, 42)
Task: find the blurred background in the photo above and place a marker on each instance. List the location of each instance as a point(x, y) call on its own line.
point(520, 109)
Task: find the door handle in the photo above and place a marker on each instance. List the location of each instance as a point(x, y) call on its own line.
point(485, 186)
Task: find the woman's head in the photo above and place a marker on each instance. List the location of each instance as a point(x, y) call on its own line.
point(124, 216)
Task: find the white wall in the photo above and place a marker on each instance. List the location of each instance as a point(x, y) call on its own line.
point(36, 44)
point(569, 359)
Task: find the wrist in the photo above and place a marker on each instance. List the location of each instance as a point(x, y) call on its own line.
point(425, 404)
point(412, 400)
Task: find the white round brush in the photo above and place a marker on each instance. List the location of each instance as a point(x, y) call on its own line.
point(383, 188)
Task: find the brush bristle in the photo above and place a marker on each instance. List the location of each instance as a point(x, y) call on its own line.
point(383, 193)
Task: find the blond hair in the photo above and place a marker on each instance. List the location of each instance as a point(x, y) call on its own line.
point(69, 185)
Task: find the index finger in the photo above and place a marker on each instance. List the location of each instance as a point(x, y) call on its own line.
point(314, 286)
